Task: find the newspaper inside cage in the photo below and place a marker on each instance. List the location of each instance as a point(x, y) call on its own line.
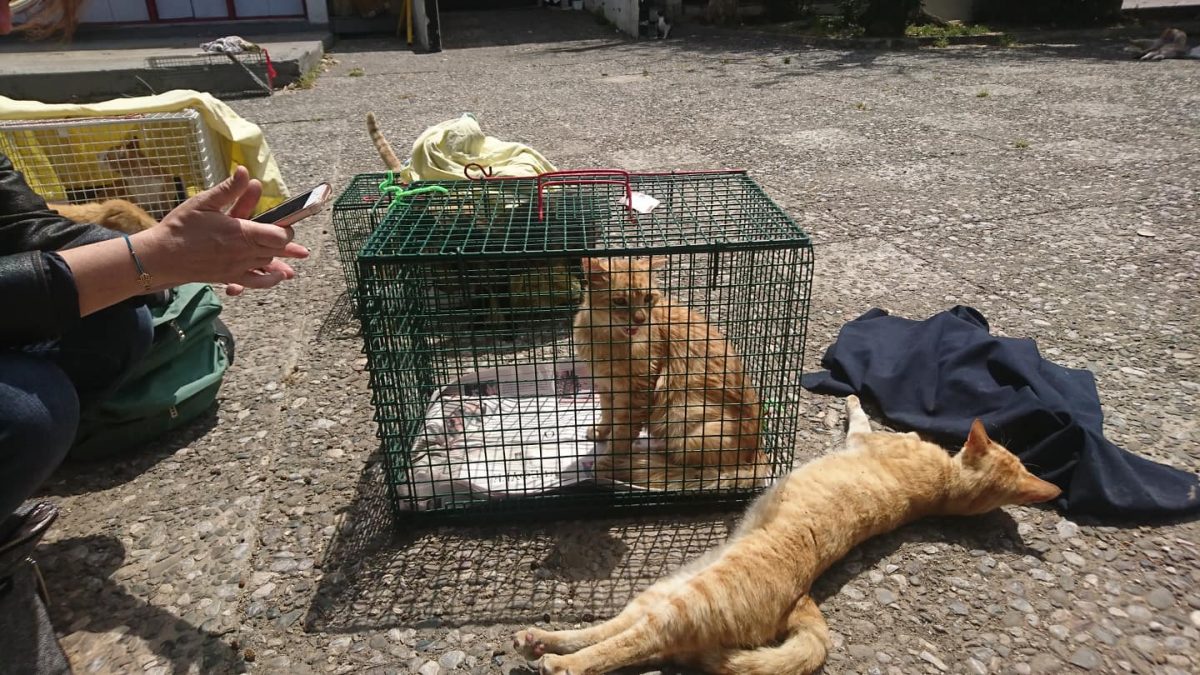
point(507, 431)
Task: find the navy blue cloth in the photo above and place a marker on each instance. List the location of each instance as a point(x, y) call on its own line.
point(936, 376)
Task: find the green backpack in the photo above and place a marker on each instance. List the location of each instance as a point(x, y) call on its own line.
point(176, 382)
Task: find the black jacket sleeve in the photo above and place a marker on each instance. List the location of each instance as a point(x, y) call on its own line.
point(38, 299)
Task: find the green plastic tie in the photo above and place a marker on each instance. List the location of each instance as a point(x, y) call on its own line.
point(398, 193)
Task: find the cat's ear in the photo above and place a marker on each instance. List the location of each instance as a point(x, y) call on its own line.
point(133, 142)
point(977, 443)
point(596, 271)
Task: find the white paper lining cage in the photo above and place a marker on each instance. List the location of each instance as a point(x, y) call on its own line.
point(155, 160)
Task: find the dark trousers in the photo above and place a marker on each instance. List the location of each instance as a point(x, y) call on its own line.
point(44, 387)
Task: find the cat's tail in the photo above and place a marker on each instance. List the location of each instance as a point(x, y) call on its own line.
point(648, 469)
point(381, 144)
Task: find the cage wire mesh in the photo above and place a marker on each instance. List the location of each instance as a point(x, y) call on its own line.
point(535, 346)
point(231, 75)
point(154, 160)
point(356, 213)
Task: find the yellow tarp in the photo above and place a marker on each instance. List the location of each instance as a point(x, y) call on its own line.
point(442, 151)
point(239, 141)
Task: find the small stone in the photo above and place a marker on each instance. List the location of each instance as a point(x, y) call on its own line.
point(976, 668)
point(249, 655)
point(848, 591)
point(958, 607)
point(1177, 644)
point(1139, 613)
point(884, 596)
point(340, 645)
point(430, 668)
point(1074, 558)
point(1059, 631)
point(289, 618)
point(1195, 617)
point(1160, 598)
point(1146, 645)
point(1103, 635)
point(861, 652)
point(1045, 664)
point(263, 591)
point(1146, 233)
point(452, 660)
point(1021, 605)
point(1067, 529)
point(937, 663)
point(1086, 658)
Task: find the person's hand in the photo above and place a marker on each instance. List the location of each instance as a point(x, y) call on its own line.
point(208, 239)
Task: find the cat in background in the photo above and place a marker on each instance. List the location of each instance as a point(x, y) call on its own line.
point(744, 608)
point(143, 181)
point(115, 214)
point(662, 367)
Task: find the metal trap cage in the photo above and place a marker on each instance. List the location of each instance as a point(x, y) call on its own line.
point(226, 75)
point(356, 214)
point(537, 346)
point(155, 160)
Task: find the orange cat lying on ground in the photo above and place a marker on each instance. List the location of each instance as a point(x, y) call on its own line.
point(662, 367)
point(744, 608)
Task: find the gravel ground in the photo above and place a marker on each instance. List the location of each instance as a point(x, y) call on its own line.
point(1053, 187)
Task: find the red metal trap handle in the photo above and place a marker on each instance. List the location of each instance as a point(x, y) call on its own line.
point(579, 177)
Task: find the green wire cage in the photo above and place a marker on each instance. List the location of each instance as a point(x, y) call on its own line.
point(680, 384)
point(356, 213)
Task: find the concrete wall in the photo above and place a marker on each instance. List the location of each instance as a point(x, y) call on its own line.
point(124, 11)
point(961, 10)
point(623, 13)
point(318, 11)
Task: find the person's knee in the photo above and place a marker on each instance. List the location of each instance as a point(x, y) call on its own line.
point(127, 329)
point(39, 415)
point(98, 352)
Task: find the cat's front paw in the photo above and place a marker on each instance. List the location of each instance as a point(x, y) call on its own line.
point(555, 665)
point(529, 644)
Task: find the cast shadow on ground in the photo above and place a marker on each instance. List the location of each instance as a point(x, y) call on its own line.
point(378, 576)
point(713, 45)
point(339, 323)
point(504, 27)
point(77, 476)
point(84, 597)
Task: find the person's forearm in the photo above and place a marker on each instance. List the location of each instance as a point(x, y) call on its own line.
point(105, 273)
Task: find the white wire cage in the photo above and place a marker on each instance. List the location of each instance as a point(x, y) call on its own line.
point(155, 160)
